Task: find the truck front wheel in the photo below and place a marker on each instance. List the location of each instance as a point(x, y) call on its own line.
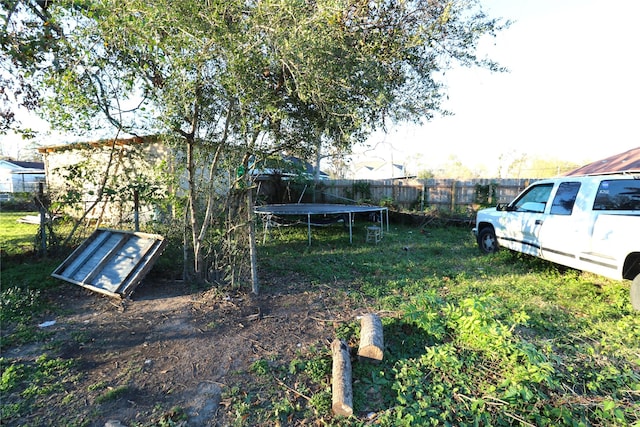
point(487, 241)
point(635, 292)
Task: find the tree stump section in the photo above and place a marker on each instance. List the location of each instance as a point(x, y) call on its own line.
point(341, 388)
point(371, 337)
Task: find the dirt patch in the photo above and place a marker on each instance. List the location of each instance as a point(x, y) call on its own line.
point(173, 346)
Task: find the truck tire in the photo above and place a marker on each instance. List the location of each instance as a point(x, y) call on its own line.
point(635, 292)
point(487, 241)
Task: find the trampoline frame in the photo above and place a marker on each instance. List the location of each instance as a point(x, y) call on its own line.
point(309, 209)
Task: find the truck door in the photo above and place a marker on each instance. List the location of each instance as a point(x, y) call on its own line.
point(523, 219)
point(564, 232)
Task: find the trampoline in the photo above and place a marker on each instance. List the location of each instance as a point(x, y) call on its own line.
point(309, 210)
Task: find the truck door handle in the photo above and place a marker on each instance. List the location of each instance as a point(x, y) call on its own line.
point(539, 222)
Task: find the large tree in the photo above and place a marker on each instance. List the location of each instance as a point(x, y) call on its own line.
point(236, 80)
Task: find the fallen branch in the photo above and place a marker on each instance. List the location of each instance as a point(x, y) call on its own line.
point(371, 337)
point(341, 387)
point(517, 418)
point(289, 388)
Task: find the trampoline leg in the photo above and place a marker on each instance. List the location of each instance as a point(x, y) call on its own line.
point(309, 227)
point(387, 212)
point(350, 229)
point(266, 221)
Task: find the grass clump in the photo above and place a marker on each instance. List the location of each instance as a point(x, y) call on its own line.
point(24, 385)
point(113, 394)
point(18, 304)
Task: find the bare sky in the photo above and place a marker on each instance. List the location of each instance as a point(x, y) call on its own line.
point(572, 92)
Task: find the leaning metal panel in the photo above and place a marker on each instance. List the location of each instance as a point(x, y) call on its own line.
point(112, 262)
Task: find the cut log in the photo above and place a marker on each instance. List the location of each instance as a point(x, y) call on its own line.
point(341, 388)
point(371, 337)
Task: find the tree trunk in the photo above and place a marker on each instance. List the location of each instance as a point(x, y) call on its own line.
point(316, 172)
point(252, 243)
point(371, 337)
point(341, 388)
point(185, 246)
point(196, 241)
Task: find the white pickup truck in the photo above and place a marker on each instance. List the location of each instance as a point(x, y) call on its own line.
point(590, 223)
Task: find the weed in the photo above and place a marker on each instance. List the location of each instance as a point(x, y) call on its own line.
point(176, 416)
point(282, 409)
point(68, 398)
point(318, 369)
point(113, 394)
point(484, 340)
point(80, 337)
point(260, 367)
point(347, 331)
point(469, 339)
point(12, 376)
point(100, 385)
point(321, 402)
point(211, 325)
point(18, 304)
point(295, 366)
point(23, 334)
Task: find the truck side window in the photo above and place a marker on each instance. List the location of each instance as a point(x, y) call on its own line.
point(537, 195)
point(565, 198)
point(618, 195)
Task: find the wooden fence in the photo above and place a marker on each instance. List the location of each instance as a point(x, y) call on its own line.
point(420, 194)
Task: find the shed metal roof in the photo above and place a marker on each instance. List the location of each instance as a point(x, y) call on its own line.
point(26, 165)
point(112, 262)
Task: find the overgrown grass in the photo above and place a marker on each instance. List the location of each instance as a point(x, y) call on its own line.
point(23, 384)
point(469, 339)
point(473, 339)
point(25, 277)
point(17, 237)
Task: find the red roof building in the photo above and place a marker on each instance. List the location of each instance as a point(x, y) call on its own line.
point(629, 161)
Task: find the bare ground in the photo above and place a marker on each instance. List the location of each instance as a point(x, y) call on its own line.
point(171, 346)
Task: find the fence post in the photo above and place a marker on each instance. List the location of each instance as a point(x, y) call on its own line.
point(136, 210)
point(453, 195)
point(43, 220)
